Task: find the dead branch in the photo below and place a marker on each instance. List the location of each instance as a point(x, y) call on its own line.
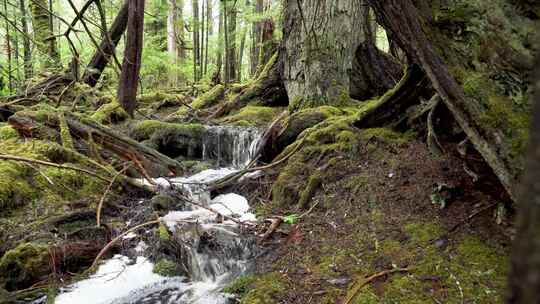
point(370, 279)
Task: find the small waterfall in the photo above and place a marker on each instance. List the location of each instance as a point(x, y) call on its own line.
point(230, 146)
point(213, 250)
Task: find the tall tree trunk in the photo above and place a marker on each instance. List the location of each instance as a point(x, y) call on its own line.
point(216, 78)
point(256, 33)
point(8, 49)
point(226, 42)
point(320, 39)
point(209, 29)
point(27, 52)
point(202, 44)
point(231, 56)
point(43, 34)
point(241, 51)
point(129, 79)
point(172, 44)
point(101, 59)
point(525, 275)
point(196, 43)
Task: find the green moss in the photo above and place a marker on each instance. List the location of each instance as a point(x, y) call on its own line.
point(7, 132)
point(164, 234)
point(24, 265)
point(67, 141)
point(423, 232)
point(146, 128)
point(166, 268)
point(110, 113)
point(387, 136)
point(241, 285)
point(264, 289)
point(209, 98)
point(252, 116)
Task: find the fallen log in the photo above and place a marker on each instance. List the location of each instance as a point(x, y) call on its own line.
point(32, 124)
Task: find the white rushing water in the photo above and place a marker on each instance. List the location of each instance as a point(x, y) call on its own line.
point(122, 280)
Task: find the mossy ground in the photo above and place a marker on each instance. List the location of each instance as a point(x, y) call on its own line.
point(374, 213)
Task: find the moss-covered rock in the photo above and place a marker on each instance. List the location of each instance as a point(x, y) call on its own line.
point(24, 265)
point(7, 132)
point(110, 113)
point(163, 202)
point(256, 289)
point(166, 268)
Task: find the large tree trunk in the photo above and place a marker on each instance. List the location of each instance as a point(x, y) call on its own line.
point(27, 52)
point(256, 33)
point(489, 116)
point(196, 42)
point(172, 47)
point(230, 41)
point(320, 39)
point(43, 34)
point(525, 275)
point(129, 79)
point(101, 57)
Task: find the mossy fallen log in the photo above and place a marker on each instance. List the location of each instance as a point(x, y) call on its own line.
point(31, 124)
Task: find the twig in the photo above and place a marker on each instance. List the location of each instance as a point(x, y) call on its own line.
point(116, 239)
point(102, 200)
point(370, 279)
point(474, 214)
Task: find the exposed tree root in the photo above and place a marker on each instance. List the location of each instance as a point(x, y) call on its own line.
point(394, 104)
point(403, 22)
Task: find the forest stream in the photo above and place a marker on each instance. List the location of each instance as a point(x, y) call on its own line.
point(269, 152)
point(213, 252)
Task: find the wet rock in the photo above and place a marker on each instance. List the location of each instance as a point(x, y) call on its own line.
point(24, 265)
point(163, 202)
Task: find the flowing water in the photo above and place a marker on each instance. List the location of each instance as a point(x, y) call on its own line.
point(213, 251)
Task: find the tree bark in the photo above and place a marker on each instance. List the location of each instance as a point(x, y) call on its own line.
point(27, 52)
point(43, 34)
point(256, 33)
point(172, 46)
point(525, 274)
point(373, 73)
point(320, 39)
point(101, 59)
point(230, 43)
point(196, 42)
point(8, 49)
point(129, 79)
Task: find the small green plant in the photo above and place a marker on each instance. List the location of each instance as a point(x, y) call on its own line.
point(291, 219)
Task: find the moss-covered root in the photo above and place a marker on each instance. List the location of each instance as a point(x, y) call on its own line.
point(209, 98)
point(24, 265)
point(313, 184)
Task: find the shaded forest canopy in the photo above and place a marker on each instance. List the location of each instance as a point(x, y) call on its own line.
point(401, 127)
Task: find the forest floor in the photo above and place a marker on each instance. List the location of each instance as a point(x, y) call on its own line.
point(375, 212)
point(375, 202)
